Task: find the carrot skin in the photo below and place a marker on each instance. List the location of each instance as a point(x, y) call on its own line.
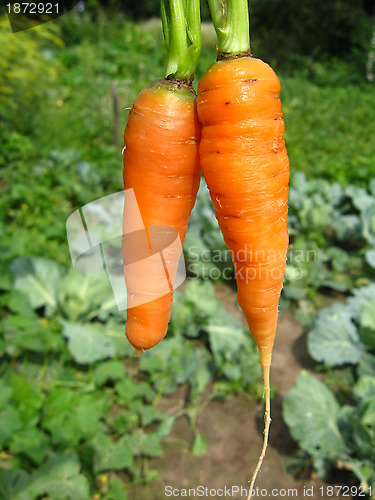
point(161, 164)
point(246, 168)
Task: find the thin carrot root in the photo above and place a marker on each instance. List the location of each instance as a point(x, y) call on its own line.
point(138, 353)
point(267, 423)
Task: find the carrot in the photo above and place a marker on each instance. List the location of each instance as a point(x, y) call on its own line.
point(246, 167)
point(161, 165)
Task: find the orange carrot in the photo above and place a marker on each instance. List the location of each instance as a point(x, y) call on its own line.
point(246, 168)
point(161, 165)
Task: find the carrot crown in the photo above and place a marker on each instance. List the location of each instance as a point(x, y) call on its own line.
point(182, 33)
point(231, 21)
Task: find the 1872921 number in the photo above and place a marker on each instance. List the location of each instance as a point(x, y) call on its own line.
point(33, 8)
point(345, 491)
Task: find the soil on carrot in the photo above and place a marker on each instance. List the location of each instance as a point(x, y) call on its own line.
point(234, 428)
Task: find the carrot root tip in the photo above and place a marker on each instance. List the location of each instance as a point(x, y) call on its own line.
point(138, 353)
point(267, 423)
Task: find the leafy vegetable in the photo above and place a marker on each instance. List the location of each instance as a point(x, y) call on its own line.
point(110, 456)
point(311, 411)
point(87, 343)
point(334, 338)
point(31, 442)
point(39, 279)
point(60, 469)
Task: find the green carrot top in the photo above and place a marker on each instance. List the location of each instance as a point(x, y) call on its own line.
point(182, 34)
point(231, 21)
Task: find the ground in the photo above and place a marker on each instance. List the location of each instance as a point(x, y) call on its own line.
point(234, 429)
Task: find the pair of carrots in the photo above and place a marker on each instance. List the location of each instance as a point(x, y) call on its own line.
point(234, 132)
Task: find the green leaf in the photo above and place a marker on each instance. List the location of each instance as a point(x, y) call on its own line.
point(116, 490)
point(310, 410)
point(83, 295)
point(108, 371)
point(5, 394)
point(39, 279)
point(202, 295)
point(166, 426)
point(59, 416)
point(367, 365)
point(175, 361)
point(338, 259)
point(31, 442)
point(116, 332)
point(55, 371)
point(182, 318)
point(305, 314)
point(149, 414)
point(229, 342)
point(31, 334)
point(364, 388)
point(87, 343)
point(370, 257)
point(368, 418)
point(368, 317)
point(90, 409)
point(334, 338)
point(337, 283)
point(185, 366)
point(13, 485)
point(130, 391)
point(362, 306)
point(141, 443)
point(60, 479)
point(199, 446)
point(203, 374)
point(110, 455)
point(225, 341)
point(294, 292)
point(153, 364)
point(10, 422)
point(28, 400)
point(347, 227)
point(6, 282)
point(19, 303)
point(345, 419)
point(172, 362)
point(368, 223)
point(124, 422)
point(362, 469)
point(71, 416)
point(361, 198)
point(367, 336)
point(357, 426)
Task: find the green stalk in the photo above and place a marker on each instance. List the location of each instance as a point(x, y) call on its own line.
point(182, 33)
point(231, 21)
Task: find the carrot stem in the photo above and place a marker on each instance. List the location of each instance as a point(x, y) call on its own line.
point(267, 423)
point(182, 33)
point(231, 21)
